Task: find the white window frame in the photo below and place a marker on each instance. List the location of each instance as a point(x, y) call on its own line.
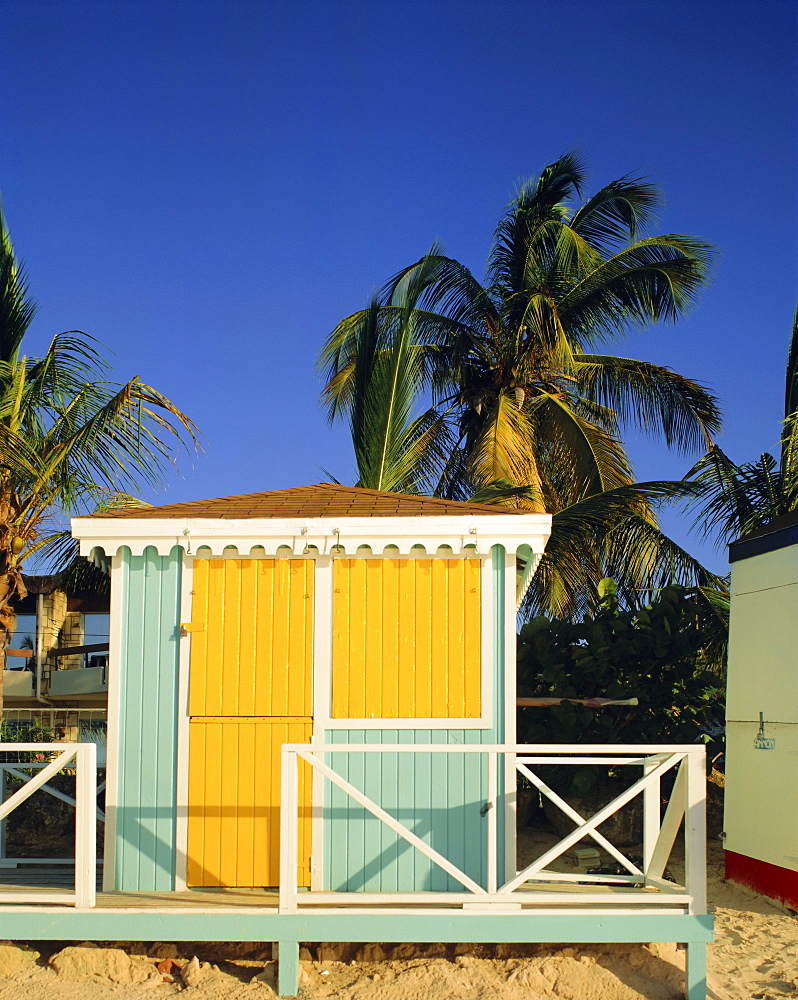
point(323, 718)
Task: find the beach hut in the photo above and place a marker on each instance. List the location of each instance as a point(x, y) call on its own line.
point(311, 737)
point(319, 615)
point(761, 807)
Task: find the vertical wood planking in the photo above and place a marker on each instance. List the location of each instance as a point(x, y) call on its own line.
point(252, 651)
point(418, 695)
point(389, 779)
point(200, 650)
point(433, 673)
point(147, 744)
point(472, 619)
point(247, 652)
point(366, 669)
point(445, 792)
point(438, 796)
point(392, 577)
point(423, 822)
point(250, 692)
point(234, 821)
point(224, 675)
point(264, 623)
point(457, 652)
point(280, 694)
point(407, 638)
point(247, 803)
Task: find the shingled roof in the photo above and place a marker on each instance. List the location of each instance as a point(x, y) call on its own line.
point(321, 500)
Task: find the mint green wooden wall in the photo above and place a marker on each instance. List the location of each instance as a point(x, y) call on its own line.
point(438, 796)
point(147, 750)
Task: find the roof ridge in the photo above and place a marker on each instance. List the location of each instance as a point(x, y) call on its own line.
point(425, 497)
point(318, 500)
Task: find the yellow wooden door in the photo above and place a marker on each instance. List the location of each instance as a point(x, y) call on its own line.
point(250, 691)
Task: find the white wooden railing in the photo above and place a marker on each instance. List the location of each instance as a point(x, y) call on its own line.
point(536, 883)
point(57, 756)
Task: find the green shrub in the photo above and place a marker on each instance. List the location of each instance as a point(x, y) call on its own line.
point(653, 654)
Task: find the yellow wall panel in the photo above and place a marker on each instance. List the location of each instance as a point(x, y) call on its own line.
point(234, 800)
point(252, 637)
point(406, 638)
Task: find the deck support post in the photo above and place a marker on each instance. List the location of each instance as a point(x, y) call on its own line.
point(288, 968)
point(86, 825)
point(696, 985)
point(3, 793)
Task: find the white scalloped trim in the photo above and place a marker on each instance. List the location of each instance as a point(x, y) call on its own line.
point(270, 537)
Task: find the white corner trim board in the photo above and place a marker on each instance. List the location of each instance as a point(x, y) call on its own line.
point(463, 534)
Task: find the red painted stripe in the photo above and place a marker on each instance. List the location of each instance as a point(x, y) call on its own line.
point(770, 880)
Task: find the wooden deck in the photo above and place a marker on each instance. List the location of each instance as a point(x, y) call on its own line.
point(542, 914)
point(552, 898)
point(252, 916)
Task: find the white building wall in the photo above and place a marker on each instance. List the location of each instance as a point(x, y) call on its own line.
point(761, 812)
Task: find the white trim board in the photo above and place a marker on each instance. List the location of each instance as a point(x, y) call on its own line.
point(113, 721)
point(322, 679)
point(328, 535)
point(181, 777)
point(436, 722)
point(323, 684)
point(510, 710)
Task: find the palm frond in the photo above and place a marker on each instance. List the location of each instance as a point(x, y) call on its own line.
point(67, 434)
point(443, 286)
point(789, 437)
point(385, 386)
point(454, 481)
point(439, 345)
point(506, 494)
point(17, 308)
point(528, 222)
point(654, 280)
point(540, 331)
point(644, 560)
point(617, 213)
point(557, 182)
point(614, 534)
point(653, 398)
point(502, 449)
point(733, 500)
point(580, 453)
point(116, 435)
point(791, 391)
point(395, 450)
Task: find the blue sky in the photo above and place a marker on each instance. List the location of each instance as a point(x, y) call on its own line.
point(208, 187)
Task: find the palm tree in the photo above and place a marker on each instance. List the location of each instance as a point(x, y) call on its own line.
point(514, 396)
point(70, 441)
point(394, 450)
point(735, 499)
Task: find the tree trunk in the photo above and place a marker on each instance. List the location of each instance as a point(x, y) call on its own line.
point(12, 589)
point(8, 622)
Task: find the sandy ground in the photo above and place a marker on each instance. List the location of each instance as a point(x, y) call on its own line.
point(755, 955)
